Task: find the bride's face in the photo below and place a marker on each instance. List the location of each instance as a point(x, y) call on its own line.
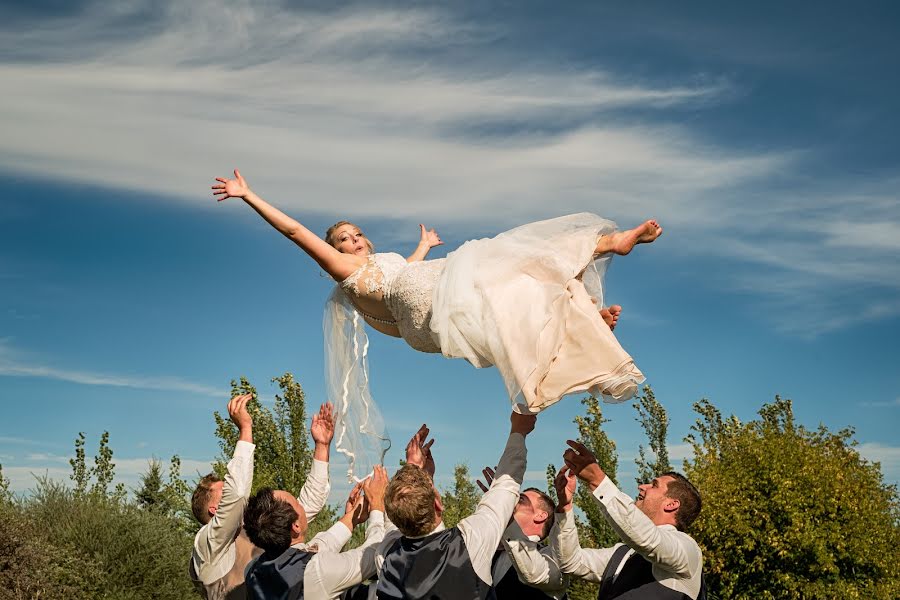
point(350, 240)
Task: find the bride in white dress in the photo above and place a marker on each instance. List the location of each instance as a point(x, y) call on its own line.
point(528, 301)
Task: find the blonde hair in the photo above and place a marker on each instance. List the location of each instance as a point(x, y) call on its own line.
point(409, 501)
point(333, 241)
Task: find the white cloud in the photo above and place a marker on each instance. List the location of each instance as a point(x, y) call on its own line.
point(380, 112)
point(13, 364)
point(888, 456)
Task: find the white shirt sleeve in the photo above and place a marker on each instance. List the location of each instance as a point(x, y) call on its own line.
point(331, 540)
point(327, 575)
point(664, 546)
point(537, 567)
point(315, 490)
point(213, 553)
point(483, 530)
point(586, 564)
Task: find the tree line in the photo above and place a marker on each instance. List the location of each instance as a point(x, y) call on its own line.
point(788, 511)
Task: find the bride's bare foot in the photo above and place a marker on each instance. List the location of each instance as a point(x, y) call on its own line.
point(610, 315)
point(622, 242)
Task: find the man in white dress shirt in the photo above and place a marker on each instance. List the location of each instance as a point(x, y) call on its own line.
point(291, 568)
point(422, 558)
point(221, 550)
point(525, 569)
point(656, 559)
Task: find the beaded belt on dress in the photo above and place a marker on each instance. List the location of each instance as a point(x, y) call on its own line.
point(376, 319)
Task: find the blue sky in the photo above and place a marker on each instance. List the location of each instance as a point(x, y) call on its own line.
point(763, 138)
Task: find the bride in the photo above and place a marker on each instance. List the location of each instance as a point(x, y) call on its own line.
point(528, 301)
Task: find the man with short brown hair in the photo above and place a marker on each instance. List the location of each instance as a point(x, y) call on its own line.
point(656, 559)
point(423, 559)
point(221, 550)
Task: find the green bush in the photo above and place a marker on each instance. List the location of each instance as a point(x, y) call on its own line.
point(790, 512)
point(139, 554)
point(33, 568)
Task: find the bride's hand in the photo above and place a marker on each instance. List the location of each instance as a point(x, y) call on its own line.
point(231, 188)
point(430, 238)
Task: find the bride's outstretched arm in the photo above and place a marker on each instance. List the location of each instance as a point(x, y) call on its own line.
point(429, 239)
point(335, 263)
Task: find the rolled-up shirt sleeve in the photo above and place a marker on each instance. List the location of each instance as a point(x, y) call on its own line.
point(315, 490)
point(214, 542)
point(665, 547)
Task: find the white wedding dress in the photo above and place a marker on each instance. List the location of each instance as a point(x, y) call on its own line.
point(525, 301)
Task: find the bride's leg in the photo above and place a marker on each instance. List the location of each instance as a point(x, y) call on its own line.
point(622, 242)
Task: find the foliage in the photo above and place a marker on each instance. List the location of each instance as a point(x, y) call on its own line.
point(791, 512)
point(4, 487)
point(459, 501)
point(137, 553)
point(596, 531)
point(654, 421)
point(103, 472)
point(32, 567)
point(169, 497)
point(282, 458)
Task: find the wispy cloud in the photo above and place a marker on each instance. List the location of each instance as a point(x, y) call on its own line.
point(895, 403)
point(15, 364)
point(379, 112)
point(888, 456)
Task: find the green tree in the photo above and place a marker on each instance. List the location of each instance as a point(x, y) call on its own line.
point(282, 458)
point(791, 512)
point(593, 530)
point(103, 472)
point(654, 421)
point(169, 497)
point(596, 532)
point(460, 500)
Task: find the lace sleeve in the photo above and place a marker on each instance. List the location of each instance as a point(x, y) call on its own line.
point(361, 435)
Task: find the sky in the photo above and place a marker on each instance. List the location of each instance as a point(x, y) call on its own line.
point(762, 137)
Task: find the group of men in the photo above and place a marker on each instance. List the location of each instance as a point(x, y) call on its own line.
point(518, 544)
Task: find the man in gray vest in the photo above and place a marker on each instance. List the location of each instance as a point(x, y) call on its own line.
point(423, 559)
point(656, 559)
point(221, 550)
point(291, 568)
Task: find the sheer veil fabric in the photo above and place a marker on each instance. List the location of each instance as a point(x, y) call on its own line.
point(359, 428)
point(525, 301)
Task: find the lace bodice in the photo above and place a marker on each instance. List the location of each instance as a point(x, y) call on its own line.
point(372, 279)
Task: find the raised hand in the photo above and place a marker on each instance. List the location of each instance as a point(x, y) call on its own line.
point(418, 451)
point(237, 411)
point(523, 424)
point(429, 238)
point(374, 488)
point(488, 478)
point(322, 428)
point(357, 508)
point(583, 464)
point(231, 188)
point(565, 483)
